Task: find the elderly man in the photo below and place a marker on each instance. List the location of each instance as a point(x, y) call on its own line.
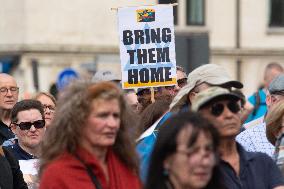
point(199, 79)
point(9, 92)
point(29, 126)
point(239, 168)
point(254, 139)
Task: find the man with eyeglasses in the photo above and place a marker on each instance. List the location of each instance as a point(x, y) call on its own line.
point(181, 79)
point(169, 92)
point(240, 169)
point(254, 139)
point(9, 92)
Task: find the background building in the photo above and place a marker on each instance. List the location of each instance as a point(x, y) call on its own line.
point(38, 39)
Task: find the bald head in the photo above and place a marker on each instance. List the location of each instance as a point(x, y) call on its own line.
point(271, 71)
point(8, 91)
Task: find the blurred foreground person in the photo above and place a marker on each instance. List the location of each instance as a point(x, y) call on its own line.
point(87, 145)
point(185, 155)
point(240, 169)
point(49, 103)
point(11, 177)
point(275, 132)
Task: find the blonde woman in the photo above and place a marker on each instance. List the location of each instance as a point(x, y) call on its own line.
point(88, 144)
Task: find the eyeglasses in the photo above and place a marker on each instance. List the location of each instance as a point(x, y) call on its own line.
point(50, 107)
point(13, 90)
point(182, 82)
point(27, 125)
point(218, 108)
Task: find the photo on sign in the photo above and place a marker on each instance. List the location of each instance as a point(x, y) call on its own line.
point(145, 15)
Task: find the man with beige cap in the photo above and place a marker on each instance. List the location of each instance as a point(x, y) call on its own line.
point(202, 78)
point(240, 169)
point(199, 79)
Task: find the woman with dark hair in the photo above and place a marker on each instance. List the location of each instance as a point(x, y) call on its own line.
point(185, 155)
point(88, 144)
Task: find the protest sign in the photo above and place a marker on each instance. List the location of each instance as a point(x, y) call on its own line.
point(29, 169)
point(147, 46)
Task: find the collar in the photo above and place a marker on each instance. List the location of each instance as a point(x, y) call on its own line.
point(22, 153)
point(245, 155)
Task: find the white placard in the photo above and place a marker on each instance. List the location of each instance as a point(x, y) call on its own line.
point(147, 46)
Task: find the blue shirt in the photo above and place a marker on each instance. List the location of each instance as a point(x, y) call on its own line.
point(255, 140)
point(145, 147)
point(19, 153)
point(261, 110)
point(257, 171)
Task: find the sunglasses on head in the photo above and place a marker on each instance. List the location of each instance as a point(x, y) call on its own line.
point(218, 108)
point(27, 125)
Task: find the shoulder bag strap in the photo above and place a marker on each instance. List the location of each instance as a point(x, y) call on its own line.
point(90, 173)
point(257, 102)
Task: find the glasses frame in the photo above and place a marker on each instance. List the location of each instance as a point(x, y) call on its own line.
point(13, 90)
point(30, 124)
point(49, 107)
point(229, 105)
point(182, 82)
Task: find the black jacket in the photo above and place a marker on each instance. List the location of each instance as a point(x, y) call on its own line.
point(5, 132)
point(11, 177)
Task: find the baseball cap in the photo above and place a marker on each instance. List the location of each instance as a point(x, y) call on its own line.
point(277, 85)
point(212, 74)
point(211, 94)
point(105, 75)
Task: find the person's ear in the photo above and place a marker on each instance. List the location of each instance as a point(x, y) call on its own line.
point(13, 127)
point(268, 99)
point(191, 96)
point(167, 162)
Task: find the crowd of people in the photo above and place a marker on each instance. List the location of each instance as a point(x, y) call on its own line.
point(201, 133)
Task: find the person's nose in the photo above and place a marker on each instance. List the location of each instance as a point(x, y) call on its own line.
point(112, 121)
point(32, 129)
point(206, 158)
point(9, 93)
point(227, 112)
point(47, 111)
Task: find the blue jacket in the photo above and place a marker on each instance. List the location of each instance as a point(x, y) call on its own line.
point(146, 146)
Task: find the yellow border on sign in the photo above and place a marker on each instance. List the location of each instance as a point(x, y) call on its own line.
point(150, 84)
